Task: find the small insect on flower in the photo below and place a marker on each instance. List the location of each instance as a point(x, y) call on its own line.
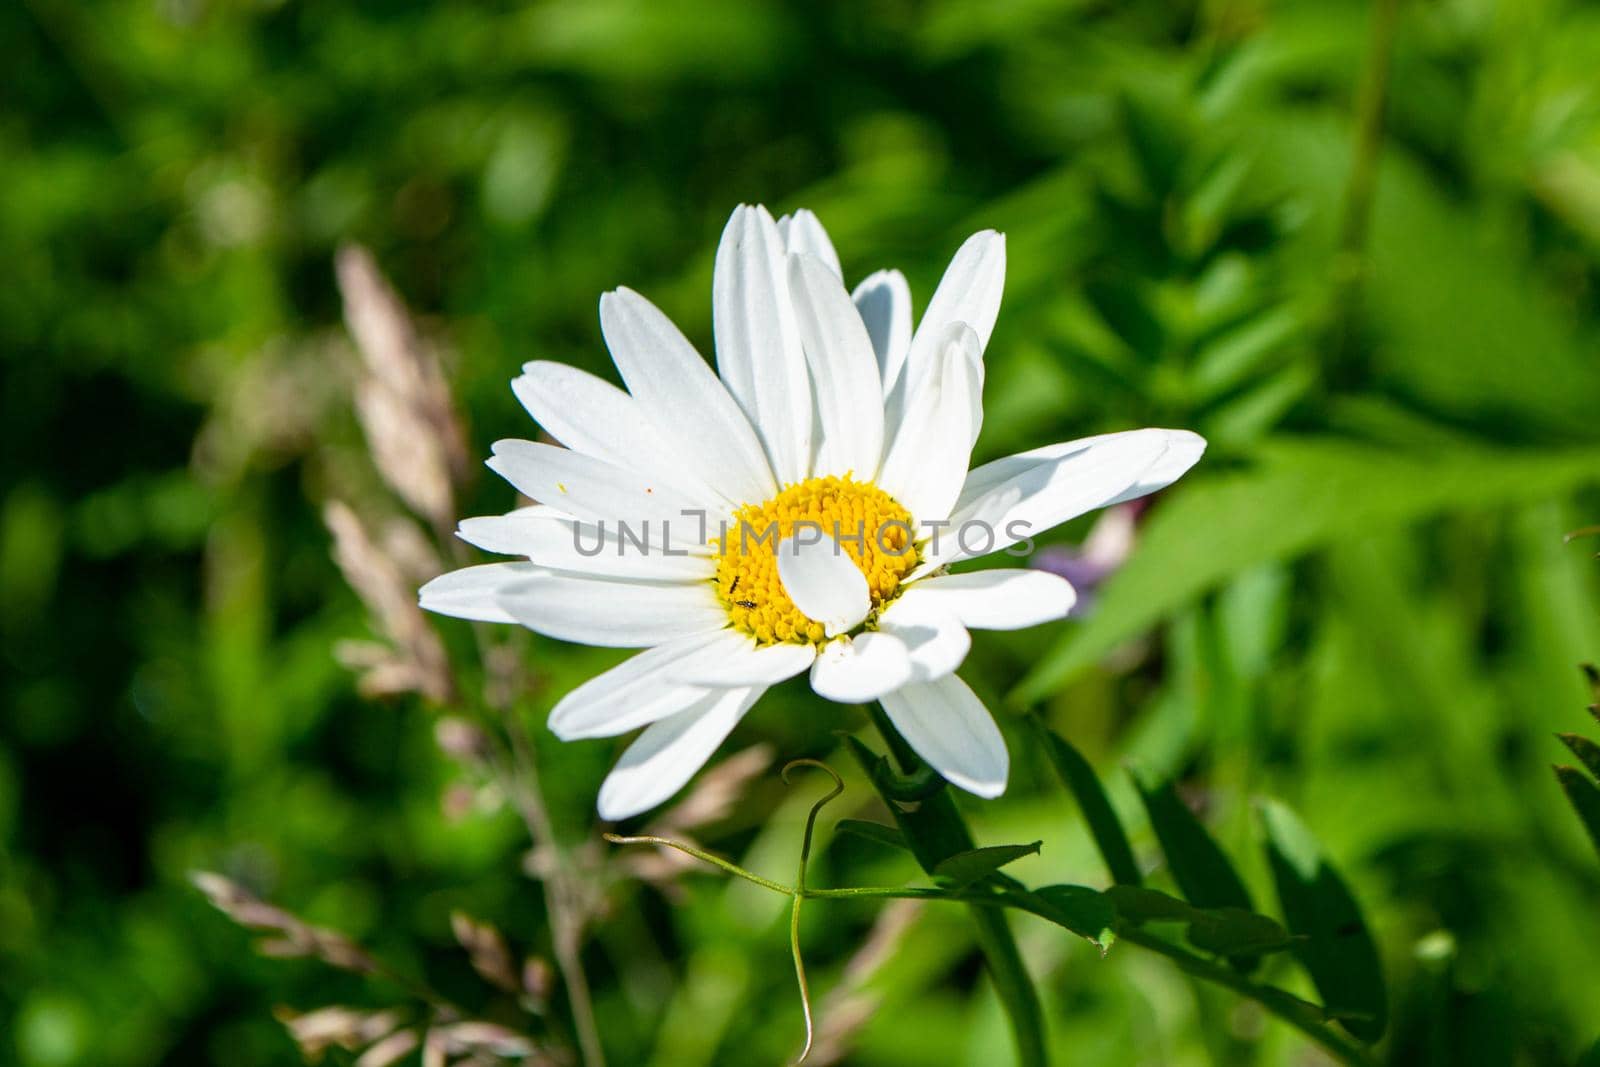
point(827, 412)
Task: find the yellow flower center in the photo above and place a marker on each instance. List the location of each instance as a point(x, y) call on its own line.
point(867, 522)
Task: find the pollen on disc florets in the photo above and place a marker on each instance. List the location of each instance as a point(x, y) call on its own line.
point(868, 523)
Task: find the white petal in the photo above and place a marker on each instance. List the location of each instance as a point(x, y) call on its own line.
point(855, 670)
point(969, 292)
point(997, 472)
point(554, 539)
point(683, 398)
point(596, 491)
point(632, 694)
point(667, 754)
point(1184, 450)
point(824, 582)
point(1025, 495)
point(474, 592)
point(934, 638)
point(803, 232)
point(926, 465)
point(610, 612)
point(758, 343)
point(592, 416)
point(734, 659)
point(845, 371)
point(949, 727)
point(997, 600)
point(883, 300)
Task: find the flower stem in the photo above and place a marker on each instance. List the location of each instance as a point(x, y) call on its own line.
point(1012, 983)
point(936, 831)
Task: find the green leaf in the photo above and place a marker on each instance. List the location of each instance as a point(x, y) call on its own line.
point(1155, 134)
point(1587, 751)
point(1592, 1057)
point(1228, 931)
point(1077, 775)
point(1233, 358)
point(1141, 905)
point(1087, 912)
point(965, 868)
point(1199, 866)
point(873, 831)
point(1301, 495)
point(1237, 423)
point(1458, 312)
point(1334, 943)
point(1235, 932)
point(1585, 799)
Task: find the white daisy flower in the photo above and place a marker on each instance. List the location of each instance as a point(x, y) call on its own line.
point(795, 511)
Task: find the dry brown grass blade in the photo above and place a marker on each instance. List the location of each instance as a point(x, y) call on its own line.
point(486, 949)
point(416, 438)
point(390, 598)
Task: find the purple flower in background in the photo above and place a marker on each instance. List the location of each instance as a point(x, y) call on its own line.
point(1106, 548)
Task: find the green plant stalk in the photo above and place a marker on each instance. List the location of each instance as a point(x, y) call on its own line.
point(936, 831)
point(1012, 982)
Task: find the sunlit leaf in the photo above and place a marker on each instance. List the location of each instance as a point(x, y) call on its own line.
point(1336, 946)
point(1300, 495)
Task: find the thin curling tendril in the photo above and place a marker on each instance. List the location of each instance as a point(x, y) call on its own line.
point(799, 896)
point(796, 893)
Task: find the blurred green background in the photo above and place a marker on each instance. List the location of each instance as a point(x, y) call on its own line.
point(1360, 603)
